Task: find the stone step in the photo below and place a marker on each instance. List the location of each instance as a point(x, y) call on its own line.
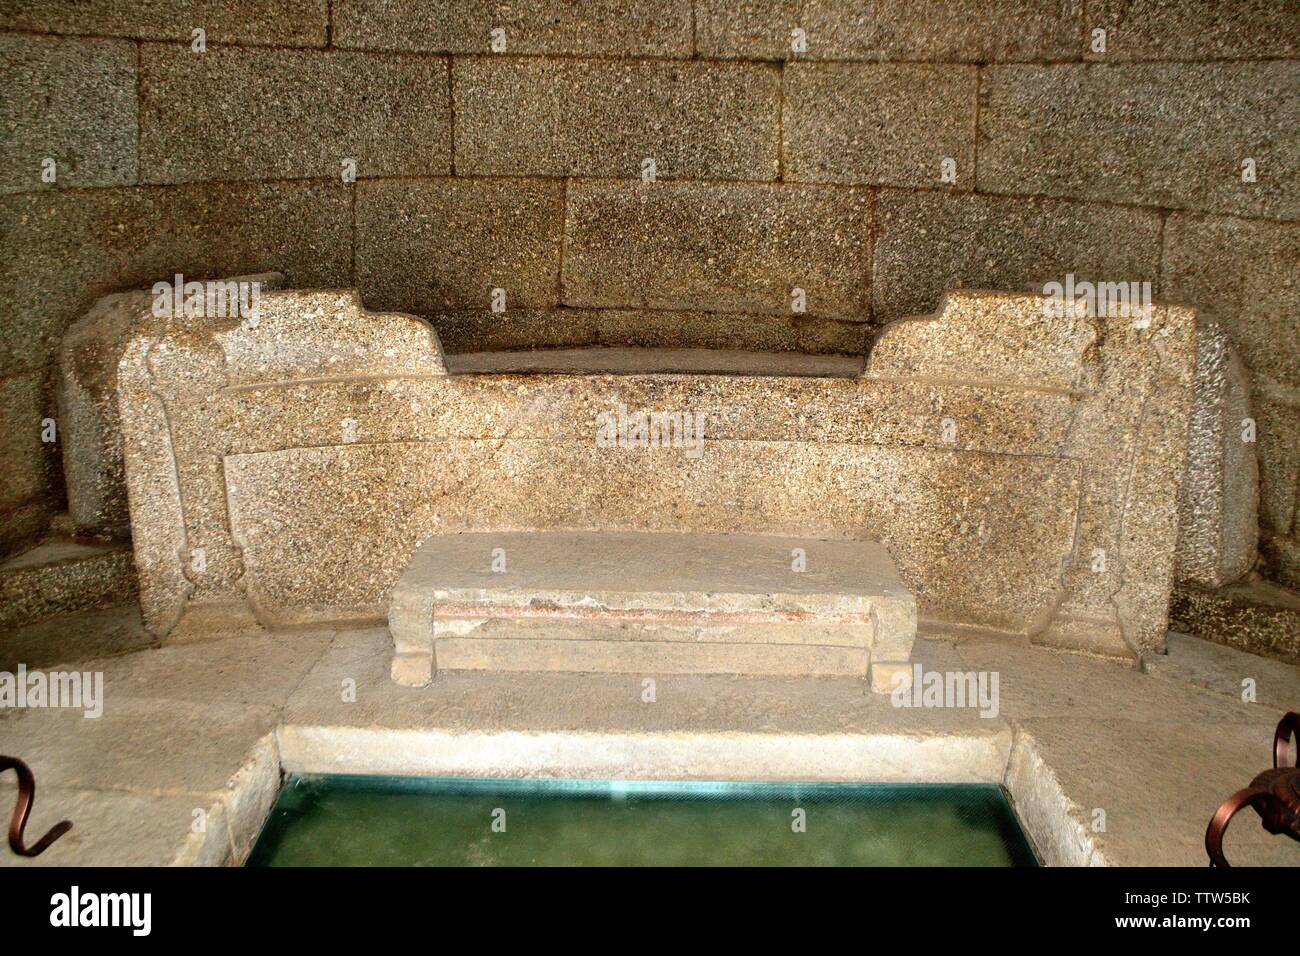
point(64, 574)
point(638, 602)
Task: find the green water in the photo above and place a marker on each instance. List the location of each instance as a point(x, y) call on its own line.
point(394, 821)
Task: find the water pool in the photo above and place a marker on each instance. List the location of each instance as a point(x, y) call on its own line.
point(403, 821)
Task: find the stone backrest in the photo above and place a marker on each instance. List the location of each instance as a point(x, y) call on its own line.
point(1022, 468)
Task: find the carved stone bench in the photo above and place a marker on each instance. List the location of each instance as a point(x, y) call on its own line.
point(649, 603)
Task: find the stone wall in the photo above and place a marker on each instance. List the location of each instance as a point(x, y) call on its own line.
point(522, 170)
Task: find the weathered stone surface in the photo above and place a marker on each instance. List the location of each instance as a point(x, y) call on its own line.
point(242, 670)
point(592, 28)
point(1134, 449)
point(1225, 669)
point(62, 575)
point(1142, 778)
point(605, 117)
point(427, 245)
point(281, 22)
point(143, 746)
point(68, 249)
point(72, 101)
point(893, 124)
point(988, 338)
point(966, 31)
point(23, 476)
point(1243, 274)
point(1089, 132)
point(719, 247)
point(929, 242)
point(623, 361)
point(111, 829)
point(91, 434)
point(1279, 467)
point(628, 602)
point(265, 114)
point(1194, 29)
point(299, 336)
point(931, 528)
point(481, 330)
point(1281, 557)
point(1219, 509)
point(871, 457)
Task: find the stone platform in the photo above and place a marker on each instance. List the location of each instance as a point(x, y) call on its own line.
point(210, 725)
point(634, 602)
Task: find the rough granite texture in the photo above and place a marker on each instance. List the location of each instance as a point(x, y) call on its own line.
point(62, 575)
point(590, 28)
point(88, 414)
point(905, 455)
point(447, 243)
point(1194, 29)
point(968, 31)
point(72, 101)
point(892, 124)
point(258, 114)
point(929, 242)
point(278, 22)
point(532, 116)
point(1086, 132)
point(1210, 82)
point(69, 249)
point(1244, 275)
point(21, 449)
point(1252, 616)
point(1218, 516)
point(718, 246)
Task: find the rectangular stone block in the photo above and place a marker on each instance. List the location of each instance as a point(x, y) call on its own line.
point(964, 31)
point(604, 117)
point(280, 22)
point(267, 114)
point(71, 101)
point(594, 27)
point(929, 242)
point(632, 602)
point(892, 124)
point(1159, 134)
point(68, 249)
point(62, 576)
point(1194, 29)
point(719, 247)
point(447, 243)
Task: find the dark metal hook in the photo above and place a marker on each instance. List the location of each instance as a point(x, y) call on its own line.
point(18, 822)
point(1274, 795)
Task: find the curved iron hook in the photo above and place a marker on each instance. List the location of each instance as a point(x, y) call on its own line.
point(1287, 728)
point(1222, 817)
point(23, 808)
